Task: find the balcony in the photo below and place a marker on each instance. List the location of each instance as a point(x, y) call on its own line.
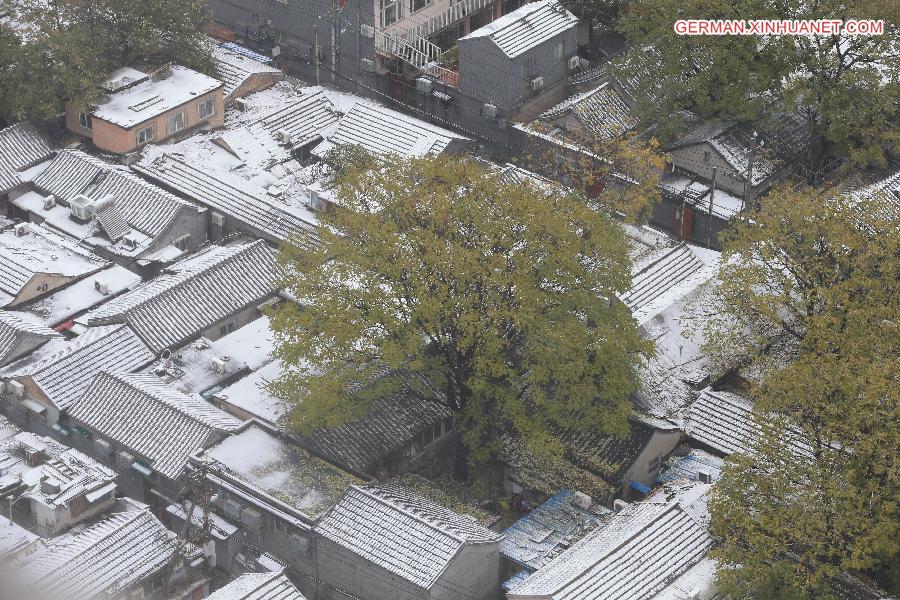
point(424, 18)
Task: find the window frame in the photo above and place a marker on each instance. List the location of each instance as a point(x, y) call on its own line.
point(211, 102)
point(152, 129)
point(412, 5)
point(84, 121)
point(172, 122)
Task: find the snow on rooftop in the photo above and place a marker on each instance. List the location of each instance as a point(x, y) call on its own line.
point(153, 97)
point(21, 147)
point(251, 394)
point(527, 27)
point(258, 586)
point(15, 539)
point(20, 333)
point(281, 469)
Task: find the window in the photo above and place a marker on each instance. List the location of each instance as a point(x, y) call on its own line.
point(558, 52)
point(706, 157)
point(175, 123)
point(146, 135)
point(415, 5)
point(182, 242)
point(390, 12)
point(280, 525)
point(84, 120)
point(206, 109)
point(226, 329)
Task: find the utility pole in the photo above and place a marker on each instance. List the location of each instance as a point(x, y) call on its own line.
point(712, 195)
point(316, 52)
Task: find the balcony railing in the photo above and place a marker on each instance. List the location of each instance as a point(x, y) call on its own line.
point(451, 15)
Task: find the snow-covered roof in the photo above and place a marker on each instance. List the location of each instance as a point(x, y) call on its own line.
point(602, 112)
point(638, 553)
point(194, 294)
point(154, 421)
point(234, 67)
point(723, 421)
point(275, 466)
point(251, 394)
point(40, 251)
point(232, 196)
point(149, 99)
point(21, 146)
point(72, 475)
point(15, 539)
point(62, 370)
point(8, 430)
point(690, 465)
point(258, 586)
point(401, 532)
point(548, 529)
point(886, 190)
point(144, 206)
point(527, 27)
point(305, 118)
point(384, 131)
point(109, 557)
point(19, 333)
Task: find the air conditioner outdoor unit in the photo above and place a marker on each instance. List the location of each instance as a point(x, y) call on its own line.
point(252, 518)
point(367, 30)
point(125, 459)
point(232, 509)
point(16, 389)
point(82, 207)
point(443, 97)
point(241, 104)
point(218, 365)
point(367, 65)
point(537, 84)
point(574, 62)
point(284, 136)
point(21, 229)
point(581, 500)
point(300, 543)
point(103, 446)
point(129, 242)
point(704, 476)
point(218, 219)
point(424, 85)
point(489, 110)
point(619, 504)
point(101, 286)
point(49, 202)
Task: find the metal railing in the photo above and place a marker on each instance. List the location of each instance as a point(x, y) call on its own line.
point(447, 17)
point(418, 52)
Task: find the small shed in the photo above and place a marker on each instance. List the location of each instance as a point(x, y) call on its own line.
point(519, 55)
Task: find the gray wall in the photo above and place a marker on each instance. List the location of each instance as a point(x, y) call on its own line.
point(487, 74)
point(340, 568)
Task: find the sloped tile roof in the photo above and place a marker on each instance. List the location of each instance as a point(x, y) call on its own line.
point(16, 328)
point(602, 112)
point(113, 223)
point(194, 294)
point(527, 27)
point(401, 532)
point(151, 419)
point(273, 220)
point(258, 586)
point(304, 119)
point(143, 206)
point(236, 68)
point(106, 558)
point(21, 146)
point(664, 279)
point(65, 374)
point(646, 546)
point(723, 421)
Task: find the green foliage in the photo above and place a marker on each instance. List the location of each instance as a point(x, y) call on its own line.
point(847, 86)
point(499, 295)
point(68, 47)
point(810, 286)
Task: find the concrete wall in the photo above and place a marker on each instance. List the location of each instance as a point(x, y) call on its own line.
point(487, 74)
point(121, 140)
point(646, 467)
point(340, 568)
point(192, 222)
point(474, 574)
point(255, 83)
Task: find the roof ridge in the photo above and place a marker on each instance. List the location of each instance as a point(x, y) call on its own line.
point(129, 517)
point(80, 343)
point(410, 514)
point(137, 381)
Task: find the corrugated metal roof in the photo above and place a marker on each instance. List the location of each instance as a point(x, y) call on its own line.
point(401, 532)
point(194, 294)
point(21, 146)
point(527, 27)
point(16, 329)
point(144, 206)
point(638, 553)
point(258, 586)
point(275, 221)
point(64, 375)
point(102, 560)
point(151, 419)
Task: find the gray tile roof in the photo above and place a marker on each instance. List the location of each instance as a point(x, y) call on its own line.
point(304, 119)
point(21, 146)
point(723, 421)
point(258, 586)
point(111, 556)
point(272, 220)
point(144, 206)
point(154, 421)
point(64, 375)
point(234, 68)
point(19, 333)
point(527, 27)
point(663, 279)
point(194, 294)
point(401, 532)
point(601, 112)
point(646, 546)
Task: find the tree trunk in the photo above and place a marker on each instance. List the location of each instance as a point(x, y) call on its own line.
point(461, 463)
